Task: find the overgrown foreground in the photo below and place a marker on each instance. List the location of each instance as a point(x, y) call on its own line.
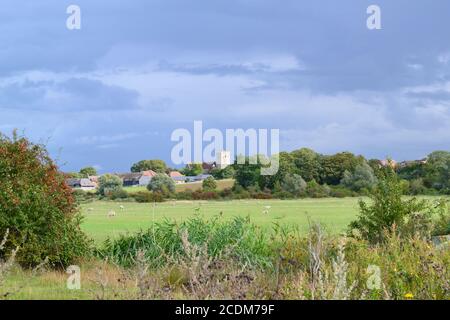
point(215, 259)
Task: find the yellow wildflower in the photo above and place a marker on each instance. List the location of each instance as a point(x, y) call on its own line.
point(409, 296)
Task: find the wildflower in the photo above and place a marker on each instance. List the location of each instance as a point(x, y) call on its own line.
point(409, 296)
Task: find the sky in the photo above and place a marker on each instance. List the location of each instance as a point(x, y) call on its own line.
point(111, 93)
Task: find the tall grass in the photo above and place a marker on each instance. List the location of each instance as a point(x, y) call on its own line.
point(238, 238)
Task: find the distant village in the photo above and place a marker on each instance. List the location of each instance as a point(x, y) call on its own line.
point(142, 179)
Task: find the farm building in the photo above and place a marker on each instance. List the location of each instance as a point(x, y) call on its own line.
point(139, 179)
point(177, 177)
point(82, 184)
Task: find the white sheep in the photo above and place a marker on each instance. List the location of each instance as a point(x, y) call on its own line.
point(90, 209)
point(266, 209)
point(111, 214)
point(122, 208)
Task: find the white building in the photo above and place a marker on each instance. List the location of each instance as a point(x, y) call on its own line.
point(223, 159)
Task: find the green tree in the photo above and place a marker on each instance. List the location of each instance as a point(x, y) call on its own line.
point(227, 173)
point(37, 207)
point(109, 183)
point(293, 184)
point(386, 209)
point(88, 171)
point(159, 166)
point(437, 171)
point(307, 163)
point(193, 169)
point(362, 178)
point(248, 172)
point(209, 184)
point(333, 167)
point(162, 183)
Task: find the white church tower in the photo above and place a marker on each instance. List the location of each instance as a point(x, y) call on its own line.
point(223, 159)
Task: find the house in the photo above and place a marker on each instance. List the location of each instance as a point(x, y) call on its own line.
point(388, 162)
point(81, 184)
point(208, 167)
point(405, 164)
point(137, 179)
point(177, 177)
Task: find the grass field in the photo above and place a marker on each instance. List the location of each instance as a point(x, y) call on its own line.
point(335, 214)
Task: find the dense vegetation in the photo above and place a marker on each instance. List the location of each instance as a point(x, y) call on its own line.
point(37, 209)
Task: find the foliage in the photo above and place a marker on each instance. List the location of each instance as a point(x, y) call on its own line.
point(247, 174)
point(209, 184)
point(88, 171)
point(109, 183)
point(37, 207)
point(293, 184)
point(193, 169)
point(163, 242)
point(162, 183)
point(333, 167)
point(307, 163)
point(315, 190)
point(147, 197)
point(159, 166)
point(387, 209)
point(362, 178)
point(227, 173)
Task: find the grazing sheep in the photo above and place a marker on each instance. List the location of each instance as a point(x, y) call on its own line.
point(122, 208)
point(266, 209)
point(90, 209)
point(111, 214)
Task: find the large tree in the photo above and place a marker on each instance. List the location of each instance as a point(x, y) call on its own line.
point(156, 165)
point(88, 171)
point(362, 178)
point(307, 163)
point(437, 171)
point(109, 183)
point(333, 167)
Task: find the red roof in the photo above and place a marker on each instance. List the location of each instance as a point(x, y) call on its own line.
point(149, 173)
point(175, 174)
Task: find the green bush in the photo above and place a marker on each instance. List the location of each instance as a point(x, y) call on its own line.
point(82, 196)
point(163, 184)
point(37, 207)
point(147, 197)
point(109, 183)
point(388, 209)
point(209, 184)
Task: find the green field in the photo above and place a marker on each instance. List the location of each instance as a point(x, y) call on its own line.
point(335, 214)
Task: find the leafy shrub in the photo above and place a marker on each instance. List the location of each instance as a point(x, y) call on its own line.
point(362, 178)
point(37, 207)
point(109, 183)
point(82, 196)
point(387, 209)
point(163, 184)
point(118, 193)
point(293, 184)
point(205, 195)
point(147, 197)
point(209, 184)
point(315, 190)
